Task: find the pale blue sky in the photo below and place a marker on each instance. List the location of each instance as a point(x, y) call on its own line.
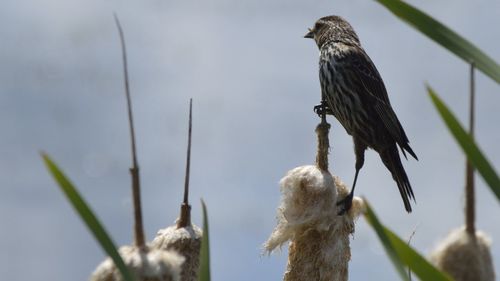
point(254, 82)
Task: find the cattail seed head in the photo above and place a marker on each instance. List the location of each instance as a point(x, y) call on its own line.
point(465, 257)
point(184, 240)
point(145, 265)
point(307, 217)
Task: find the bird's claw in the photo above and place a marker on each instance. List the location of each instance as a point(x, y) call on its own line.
point(322, 108)
point(345, 204)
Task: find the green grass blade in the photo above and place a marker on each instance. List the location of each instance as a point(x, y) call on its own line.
point(402, 254)
point(418, 264)
point(386, 241)
point(87, 216)
point(468, 145)
point(204, 274)
point(444, 36)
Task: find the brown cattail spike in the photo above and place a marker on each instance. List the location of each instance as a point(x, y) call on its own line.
point(470, 212)
point(134, 171)
point(323, 145)
point(185, 217)
point(322, 131)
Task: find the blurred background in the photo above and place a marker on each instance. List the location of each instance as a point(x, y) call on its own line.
point(254, 81)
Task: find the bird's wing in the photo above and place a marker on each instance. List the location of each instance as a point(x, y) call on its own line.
point(368, 82)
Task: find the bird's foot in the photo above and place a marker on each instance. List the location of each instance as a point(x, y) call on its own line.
point(322, 108)
point(345, 204)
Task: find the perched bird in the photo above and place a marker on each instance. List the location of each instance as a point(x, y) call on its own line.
point(355, 94)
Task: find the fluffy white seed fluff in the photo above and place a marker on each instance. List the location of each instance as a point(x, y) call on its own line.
point(308, 218)
point(186, 241)
point(150, 265)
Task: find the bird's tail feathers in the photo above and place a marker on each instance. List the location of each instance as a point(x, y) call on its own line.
point(392, 161)
point(406, 148)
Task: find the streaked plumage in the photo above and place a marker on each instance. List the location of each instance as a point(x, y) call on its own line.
point(356, 96)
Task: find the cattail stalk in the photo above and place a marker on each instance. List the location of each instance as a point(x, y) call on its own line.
point(134, 170)
point(470, 212)
point(146, 264)
point(308, 218)
point(185, 217)
point(184, 237)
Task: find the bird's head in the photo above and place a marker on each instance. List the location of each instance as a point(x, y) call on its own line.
point(331, 29)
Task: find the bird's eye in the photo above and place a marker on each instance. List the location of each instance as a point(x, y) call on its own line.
point(318, 26)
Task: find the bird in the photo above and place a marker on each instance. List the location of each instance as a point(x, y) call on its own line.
point(355, 95)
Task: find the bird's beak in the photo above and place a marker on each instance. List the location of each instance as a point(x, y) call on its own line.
point(310, 34)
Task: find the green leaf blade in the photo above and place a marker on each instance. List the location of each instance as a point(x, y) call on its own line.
point(467, 143)
point(418, 264)
point(87, 216)
point(386, 241)
point(204, 274)
point(403, 255)
point(444, 36)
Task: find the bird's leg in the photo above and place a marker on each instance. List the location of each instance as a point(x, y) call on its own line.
point(346, 203)
point(322, 108)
